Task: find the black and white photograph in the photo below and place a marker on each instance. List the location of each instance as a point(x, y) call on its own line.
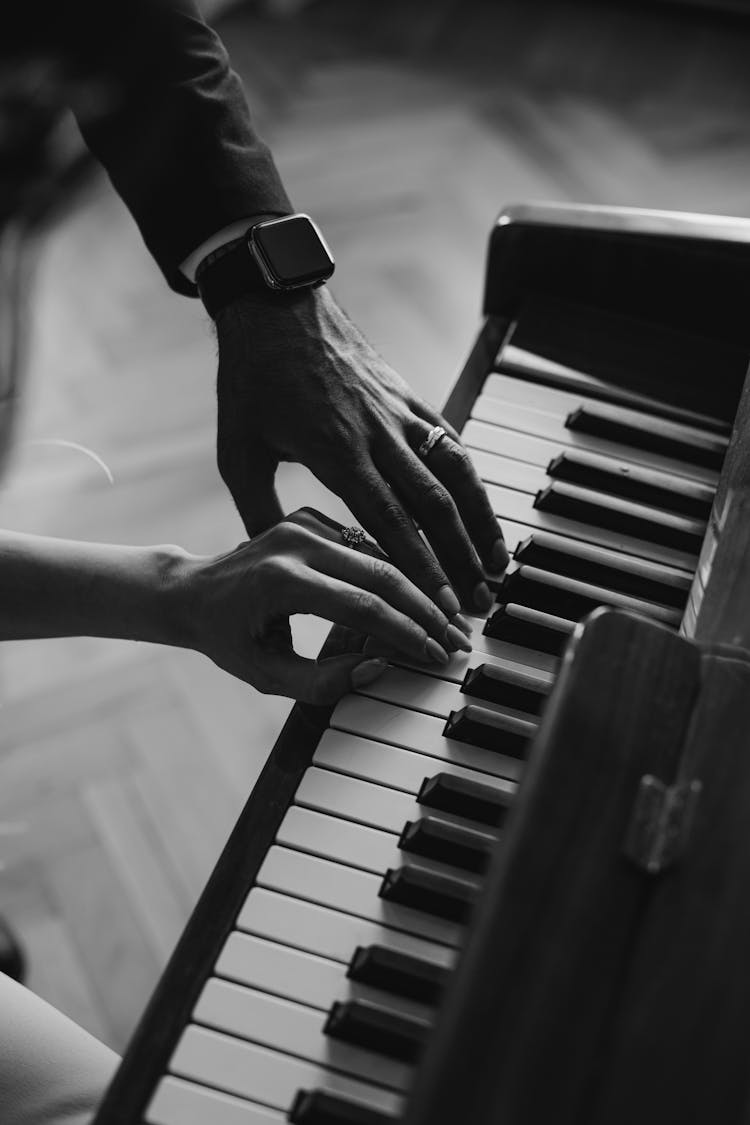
point(375, 562)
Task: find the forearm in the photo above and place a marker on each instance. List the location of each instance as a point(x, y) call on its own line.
point(61, 588)
point(175, 136)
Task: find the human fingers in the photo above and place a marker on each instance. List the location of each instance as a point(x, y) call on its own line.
point(363, 611)
point(449, 461)
point(249, 474)
point(380, 577)
point(319, 681)
point(430, 502)
point(326, 528)
point(383, 515)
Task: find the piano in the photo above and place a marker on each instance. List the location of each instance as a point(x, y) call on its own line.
point(466, 893)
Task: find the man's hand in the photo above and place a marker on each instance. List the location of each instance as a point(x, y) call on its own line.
point(298, 382)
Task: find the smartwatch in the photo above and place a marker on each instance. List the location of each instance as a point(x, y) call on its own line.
point(275, 255)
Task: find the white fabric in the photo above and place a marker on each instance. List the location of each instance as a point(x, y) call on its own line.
point(52, 1072)
point(228, 234)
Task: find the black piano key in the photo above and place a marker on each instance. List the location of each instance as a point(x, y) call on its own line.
point(530, 628)
point(520, 690)
point(654, 435)
point(443, 896)
point(399, 973)
point(448, 843)
point(567, 597)
point(633, 482)
point(321, 1107)
point(503, 734)
point(597, 509)
point(538, 589)
point(586, 562)
point(363, 1024)
point(471, 799)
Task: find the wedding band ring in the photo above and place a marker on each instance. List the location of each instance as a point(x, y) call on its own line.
point(436, 434)
point(353, 536)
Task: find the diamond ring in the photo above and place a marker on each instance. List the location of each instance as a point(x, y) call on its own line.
point(353, 536)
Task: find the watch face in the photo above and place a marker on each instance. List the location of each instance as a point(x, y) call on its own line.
point(291, 252)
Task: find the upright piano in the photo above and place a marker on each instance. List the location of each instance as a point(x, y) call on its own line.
point(517, 889)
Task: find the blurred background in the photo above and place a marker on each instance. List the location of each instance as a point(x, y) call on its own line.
point(403, 128)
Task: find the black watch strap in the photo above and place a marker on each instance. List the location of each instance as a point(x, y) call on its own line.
point(227, 274)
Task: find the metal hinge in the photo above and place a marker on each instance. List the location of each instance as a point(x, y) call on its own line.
point(660, 822)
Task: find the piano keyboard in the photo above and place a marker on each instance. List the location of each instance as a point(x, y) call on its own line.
point(323, 995)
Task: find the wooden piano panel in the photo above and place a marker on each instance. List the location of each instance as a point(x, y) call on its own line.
point(594, 990)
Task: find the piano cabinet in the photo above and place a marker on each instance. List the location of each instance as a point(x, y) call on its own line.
point(515, 891)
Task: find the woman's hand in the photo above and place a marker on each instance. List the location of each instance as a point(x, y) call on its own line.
point(241, 602)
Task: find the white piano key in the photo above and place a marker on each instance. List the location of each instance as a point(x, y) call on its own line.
point(496, 468)
point(462, 662)
point(519, 506)
point(282, 1025)
point(500, 441)
point(326, 932)
point(391, 765)
point(353, 799)
point(177, 1102)
point(423, 734)
point(667, 614)
point(507, 416)
point(297, 975)
point(524, 459)
point(343, 841)
point(519, 532)
point(428, 694)
point(347, 889)
point(358, 800)
point(486, 650)
point(484, 647)
point(514, 533)
point(555, 400)
point(289, 973)
point(354, 845)
point(416, 690)
point(270, 1077)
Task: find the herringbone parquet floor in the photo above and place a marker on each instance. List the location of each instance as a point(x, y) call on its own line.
point(403, 128)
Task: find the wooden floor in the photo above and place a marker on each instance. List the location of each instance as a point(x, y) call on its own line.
point(403, 128)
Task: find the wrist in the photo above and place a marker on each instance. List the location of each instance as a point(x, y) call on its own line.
point(298, 304)
point(66, 588)
point(171, 608)
point(256, 331)
point(230, 233)
point(281, 254)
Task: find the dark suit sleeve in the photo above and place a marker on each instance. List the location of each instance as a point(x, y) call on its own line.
point(170, 123)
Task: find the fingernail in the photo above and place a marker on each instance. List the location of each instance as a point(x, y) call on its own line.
point(436, 652)
point(457, 639)
point(482, 597)
point(463, 624)
point(368, 671)
point(448, 601)
point(499, 555)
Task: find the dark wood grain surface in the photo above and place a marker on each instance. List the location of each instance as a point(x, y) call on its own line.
point(719, 609)
point(678, 1050)
point(526, 1020)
